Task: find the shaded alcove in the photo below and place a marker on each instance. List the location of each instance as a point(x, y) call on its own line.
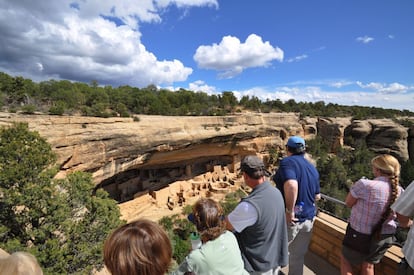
point(133, 183)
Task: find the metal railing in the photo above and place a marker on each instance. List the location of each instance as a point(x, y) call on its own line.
point(338, 208)
point(328, 198)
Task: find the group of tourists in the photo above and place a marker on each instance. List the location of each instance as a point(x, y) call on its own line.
point(271, 227)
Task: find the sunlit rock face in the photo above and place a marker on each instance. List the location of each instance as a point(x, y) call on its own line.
point(109, 146)
point(383, 136)
point(166, 147)
point(332, 131)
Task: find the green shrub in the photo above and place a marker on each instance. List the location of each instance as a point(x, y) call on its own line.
point(29, 109)
point(58, 108)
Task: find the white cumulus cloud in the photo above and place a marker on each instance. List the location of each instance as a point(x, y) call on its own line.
point(86, 40)
point(231, 56)
point(391, 88)
point(201, 86)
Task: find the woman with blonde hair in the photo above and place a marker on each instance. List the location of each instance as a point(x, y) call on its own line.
point(219, 252)
point(372, 224)
point(20, 263)
point(140, 247)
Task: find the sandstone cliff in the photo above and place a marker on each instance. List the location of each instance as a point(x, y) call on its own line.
point(126, 149)
point(108, 146)
point(382, 136)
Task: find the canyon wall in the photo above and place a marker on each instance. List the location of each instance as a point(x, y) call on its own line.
point(107, 147)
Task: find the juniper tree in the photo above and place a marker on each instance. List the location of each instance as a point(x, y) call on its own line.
point(62, 222)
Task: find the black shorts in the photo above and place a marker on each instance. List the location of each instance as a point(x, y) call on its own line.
point(375, 255)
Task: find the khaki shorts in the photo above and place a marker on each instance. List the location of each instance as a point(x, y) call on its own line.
point(375, 255)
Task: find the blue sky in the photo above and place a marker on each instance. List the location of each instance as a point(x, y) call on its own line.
point(350, 52)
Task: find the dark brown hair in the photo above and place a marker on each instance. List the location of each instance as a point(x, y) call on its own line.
point(140, 247)
point(208, 215)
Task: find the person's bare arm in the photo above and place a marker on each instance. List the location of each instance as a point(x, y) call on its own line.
point(350, 200)
point(290, 188)
point(229, 226)
point(317, 197)
point(404, 221)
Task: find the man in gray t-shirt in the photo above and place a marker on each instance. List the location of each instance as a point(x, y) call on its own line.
point(259, 222)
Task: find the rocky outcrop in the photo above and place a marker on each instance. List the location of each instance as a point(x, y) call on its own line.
point(410, 140)
point(149, 151)
point(382, 136)
point(332, 130)
point(109, 146)
point(310, 127)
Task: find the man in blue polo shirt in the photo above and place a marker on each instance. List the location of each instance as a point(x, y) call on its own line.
point(298, 181)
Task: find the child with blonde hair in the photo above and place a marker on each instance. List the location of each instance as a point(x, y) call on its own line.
point(20, 263)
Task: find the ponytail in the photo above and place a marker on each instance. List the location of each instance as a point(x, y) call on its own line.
point(389, 167)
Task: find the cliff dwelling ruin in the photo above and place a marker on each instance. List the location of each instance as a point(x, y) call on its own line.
point(203, 176)
point(133, 159)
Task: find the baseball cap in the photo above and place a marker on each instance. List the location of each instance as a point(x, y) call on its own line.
point(296, 142)
point(252, 164)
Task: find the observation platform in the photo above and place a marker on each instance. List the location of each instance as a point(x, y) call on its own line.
point(323, 257)
point(315, 264)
